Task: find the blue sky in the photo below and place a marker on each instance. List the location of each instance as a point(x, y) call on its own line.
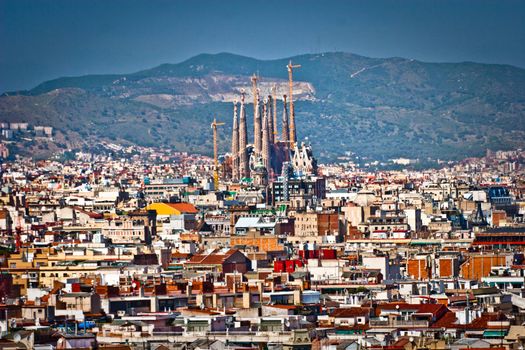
point(44, 39)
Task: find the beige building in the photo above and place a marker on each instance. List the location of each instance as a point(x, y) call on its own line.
point(317, 227)
point(87, 302)
point(126, 230)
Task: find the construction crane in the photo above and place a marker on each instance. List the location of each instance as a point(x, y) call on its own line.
point(215, 154)
point(291, 67)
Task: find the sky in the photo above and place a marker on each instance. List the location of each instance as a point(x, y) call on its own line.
point(46, 39)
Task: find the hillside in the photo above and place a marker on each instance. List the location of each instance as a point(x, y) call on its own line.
point(379, 108)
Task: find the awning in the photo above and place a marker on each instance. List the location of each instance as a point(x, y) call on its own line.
point(417, 242)
point(495, 333)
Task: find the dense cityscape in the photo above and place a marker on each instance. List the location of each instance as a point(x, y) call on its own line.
point(262, 175)
point(260, 247)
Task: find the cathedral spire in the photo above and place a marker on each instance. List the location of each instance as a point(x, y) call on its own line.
point(268, 106)
point(243, 140)
point(235, 144)
point(285, 137)
point(257, 132)
point(265, 137)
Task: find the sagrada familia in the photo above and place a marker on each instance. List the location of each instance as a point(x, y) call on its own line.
point(264, 159)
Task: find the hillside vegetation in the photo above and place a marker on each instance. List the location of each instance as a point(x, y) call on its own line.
point(379, 108)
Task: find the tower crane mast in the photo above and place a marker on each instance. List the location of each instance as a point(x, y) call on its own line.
point(215, 153)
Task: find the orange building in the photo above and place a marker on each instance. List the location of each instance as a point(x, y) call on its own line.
point(478, 266)
point(267, 243)
point(499, 218)
point(327, 223)
point(418, 268)
point(448, 267)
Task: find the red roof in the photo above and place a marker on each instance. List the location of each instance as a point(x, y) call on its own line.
point(210, 259)
point(350, 312)
point(402, 342)
point(285, 307)
point(448, 320)
point(363, 327)
point(185, 208)
point(417, 308)
point(481, 323)
point(433, 309)
point(91, 214)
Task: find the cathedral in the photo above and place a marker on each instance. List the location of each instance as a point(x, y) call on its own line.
point(263, 159)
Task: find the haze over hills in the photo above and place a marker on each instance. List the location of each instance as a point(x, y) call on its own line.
point(378, 108)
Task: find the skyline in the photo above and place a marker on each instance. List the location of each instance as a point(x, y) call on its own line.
point(280, 174)
point(127, 36)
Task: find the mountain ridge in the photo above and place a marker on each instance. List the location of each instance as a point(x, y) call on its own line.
point(38, 88)
point(405, 107)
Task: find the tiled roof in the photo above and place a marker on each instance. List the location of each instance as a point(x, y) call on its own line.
point(285, 307)
point(211, 259)
point(92, 215)
point(448, 320)
point(172, 208)
point(433, 309)
point(185, 208)
point(481, 323)
point(417, 308)
point(350, 312)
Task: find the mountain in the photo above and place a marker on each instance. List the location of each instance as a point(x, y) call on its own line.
point(378, 108)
